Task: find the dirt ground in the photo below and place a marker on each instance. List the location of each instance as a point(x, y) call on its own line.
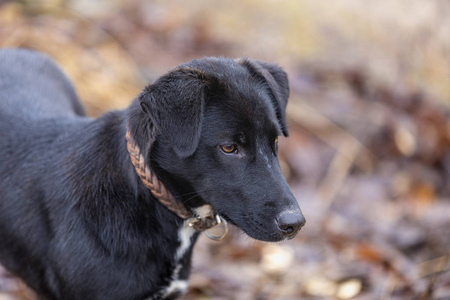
point(368, 156)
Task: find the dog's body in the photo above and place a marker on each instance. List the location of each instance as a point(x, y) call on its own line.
point(76, 222)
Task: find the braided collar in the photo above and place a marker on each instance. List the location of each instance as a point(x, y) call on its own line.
point(157, 188)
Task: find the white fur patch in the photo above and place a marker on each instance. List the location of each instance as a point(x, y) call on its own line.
point(203, 211)
point(185, 234)
point(176, 286)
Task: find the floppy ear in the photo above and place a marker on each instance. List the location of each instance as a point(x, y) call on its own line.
point(175, 104)
point(277, 83)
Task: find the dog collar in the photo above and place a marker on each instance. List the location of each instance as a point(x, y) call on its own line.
point(157, 188)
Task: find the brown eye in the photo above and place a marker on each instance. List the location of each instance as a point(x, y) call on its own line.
point(229, 148)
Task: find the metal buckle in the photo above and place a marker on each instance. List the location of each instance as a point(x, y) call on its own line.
point(191, 221)
point(213, 237)
point(219, 220)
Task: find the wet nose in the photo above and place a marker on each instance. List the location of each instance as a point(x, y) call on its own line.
point(290, 222)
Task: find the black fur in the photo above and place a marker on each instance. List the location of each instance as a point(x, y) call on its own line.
point(76, 222)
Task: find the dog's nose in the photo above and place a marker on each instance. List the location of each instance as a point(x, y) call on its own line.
point(290, 222)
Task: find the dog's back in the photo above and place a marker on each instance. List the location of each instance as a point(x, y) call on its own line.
point(32, 87)
point(37, 102)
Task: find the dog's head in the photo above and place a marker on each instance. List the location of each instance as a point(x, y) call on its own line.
point(218, 121)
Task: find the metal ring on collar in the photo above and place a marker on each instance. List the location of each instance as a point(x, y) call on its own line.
point(213, 237)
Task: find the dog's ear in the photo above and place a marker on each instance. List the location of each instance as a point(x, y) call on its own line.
point(278, 85)
point(175, 104)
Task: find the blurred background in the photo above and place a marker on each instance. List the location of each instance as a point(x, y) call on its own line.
point(368, 156)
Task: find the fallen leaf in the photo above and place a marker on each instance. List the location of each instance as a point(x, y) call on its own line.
point(349, 289)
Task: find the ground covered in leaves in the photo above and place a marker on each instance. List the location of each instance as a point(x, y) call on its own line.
point(368, 156)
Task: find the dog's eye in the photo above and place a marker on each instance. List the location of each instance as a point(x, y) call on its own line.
point(229, 148)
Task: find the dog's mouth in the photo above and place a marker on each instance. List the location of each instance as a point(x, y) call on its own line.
point(275, 230)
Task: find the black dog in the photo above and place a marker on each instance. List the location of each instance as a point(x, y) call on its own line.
point(81, 220)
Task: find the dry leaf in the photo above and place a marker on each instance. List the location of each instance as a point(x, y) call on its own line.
point(349, 289)
point(276, 259)
point(319, 286)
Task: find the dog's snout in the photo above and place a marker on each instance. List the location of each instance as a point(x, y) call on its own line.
point(290, 222)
